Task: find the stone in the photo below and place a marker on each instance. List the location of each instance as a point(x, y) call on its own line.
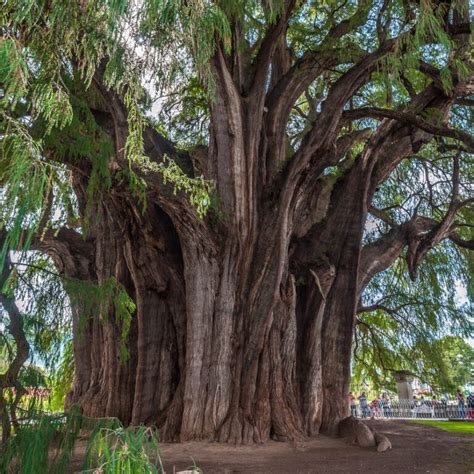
point(356, 431)
point(383, 443)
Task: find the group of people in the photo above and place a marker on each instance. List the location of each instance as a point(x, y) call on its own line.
point(377, 408)
point(382, 406)
point(465, 403)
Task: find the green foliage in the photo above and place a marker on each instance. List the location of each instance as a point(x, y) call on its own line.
point(413, 328)
point(451, 426)
point(47, 67)
point(99, 301)
point(125, 450)
point(81, 139)
point(186, 114)
point(455, 358)
point(31, 376)
point(61, 378)
point(45, 444)
point(29, 451)
point(52, 104)
point(25, 178)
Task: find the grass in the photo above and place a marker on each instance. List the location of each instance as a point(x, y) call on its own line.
point(125, 450)
point(451, 426)
point(45, 445)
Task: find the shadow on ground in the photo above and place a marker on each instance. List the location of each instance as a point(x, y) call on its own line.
point(416, 448)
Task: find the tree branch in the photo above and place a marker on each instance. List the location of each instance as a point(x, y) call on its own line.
point(297, 79)
point(419, 247)
point(411, 119)
point(268, 47)
point(377, 345)
point(324, 131)
point(379, 255)
point(71, 253)
point(15, 327)
point(467, 244)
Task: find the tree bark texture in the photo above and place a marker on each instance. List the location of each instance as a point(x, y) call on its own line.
point(244, 319)
point(243, 329)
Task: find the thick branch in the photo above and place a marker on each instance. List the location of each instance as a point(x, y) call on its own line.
point(319, 140)
point(380, 255)
point(71, 253)
point(15, 328)
point(314, 193)
point(412, 119)
point(297, 79)
point(308, 67)
point(467, 244)
point(157, 149)
point(420, 234)
point(403, 140)
point(268, 47)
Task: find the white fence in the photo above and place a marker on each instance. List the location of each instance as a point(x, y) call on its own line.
point(408, 409)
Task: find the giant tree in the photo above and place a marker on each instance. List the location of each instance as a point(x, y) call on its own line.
point(235, 221)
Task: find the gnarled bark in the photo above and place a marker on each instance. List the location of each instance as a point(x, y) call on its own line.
point(244, 319)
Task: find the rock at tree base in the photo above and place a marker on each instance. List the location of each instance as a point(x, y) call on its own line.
point(383, 443)
point(357, 432)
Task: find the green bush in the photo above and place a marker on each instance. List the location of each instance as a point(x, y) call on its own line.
point(44, 444)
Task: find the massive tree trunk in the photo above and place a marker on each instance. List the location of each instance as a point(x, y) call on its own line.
point(228, 342)
point(243, 322)
point(244, 319)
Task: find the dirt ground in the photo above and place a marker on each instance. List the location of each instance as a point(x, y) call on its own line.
point(416, 448)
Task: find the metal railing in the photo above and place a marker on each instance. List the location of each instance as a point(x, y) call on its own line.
point(409, 409)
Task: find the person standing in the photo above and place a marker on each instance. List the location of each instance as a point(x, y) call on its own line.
point(414, 407)
point(374, 406)
point(352, 404)
point(364, 406)
point(387, 411)
point(444, 405)
point(470, 406)
point(436, 407)
point(461, 404)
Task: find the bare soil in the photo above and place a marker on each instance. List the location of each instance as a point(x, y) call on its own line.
point(416, 448)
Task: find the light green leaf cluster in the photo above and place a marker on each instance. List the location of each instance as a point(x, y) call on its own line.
point(25, 179)
point(61, 46)
point(52, 103)
point(198, 189)
point(128, 450)
point(111, 448)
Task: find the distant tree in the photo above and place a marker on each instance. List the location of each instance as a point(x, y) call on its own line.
point(457, 363)
point(227, 240)
point(410, 326)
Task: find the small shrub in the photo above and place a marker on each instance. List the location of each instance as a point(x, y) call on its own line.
point(124, 450)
